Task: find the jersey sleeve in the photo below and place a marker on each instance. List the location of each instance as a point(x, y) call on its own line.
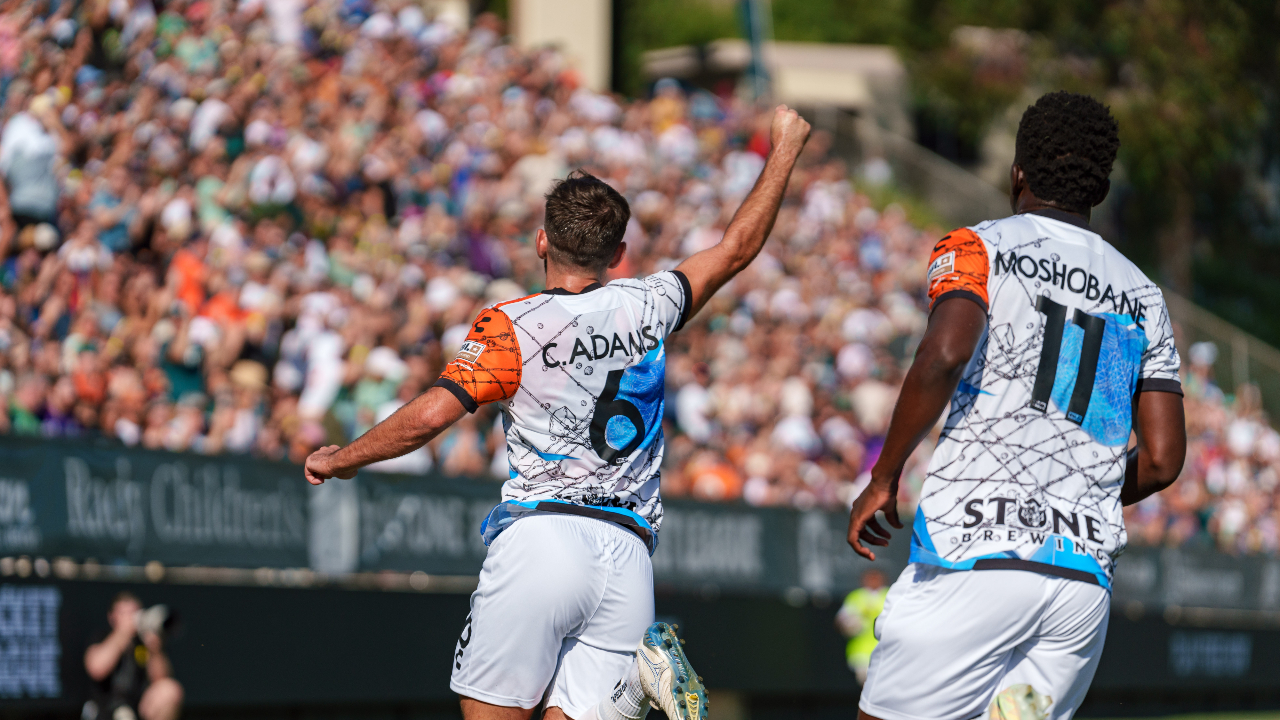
point(670, 293)
point(1160, 361)
point(488, 367)
point(959, 267)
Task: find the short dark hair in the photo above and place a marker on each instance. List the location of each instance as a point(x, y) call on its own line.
point(1066, 146)
point(585, 221)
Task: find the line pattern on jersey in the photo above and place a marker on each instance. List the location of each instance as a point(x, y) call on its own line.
point(554, 468)
point(1042, 457)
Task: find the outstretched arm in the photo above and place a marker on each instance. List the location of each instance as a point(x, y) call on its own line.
point(710, 269)
point(955, 328)
point(411, 427)
point(1154, 464)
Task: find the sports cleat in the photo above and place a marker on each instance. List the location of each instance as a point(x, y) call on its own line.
point(666, 677)
point(1019, 702)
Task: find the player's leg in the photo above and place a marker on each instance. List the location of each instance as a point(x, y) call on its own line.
point(592, 683)
point(946, 639)
point(593, 676)
point(1060, 661)
point(540, 584)
point(602, 675)
point(473, 709)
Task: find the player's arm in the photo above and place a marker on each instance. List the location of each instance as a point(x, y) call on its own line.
point(487, 369)
point(408, 429)
point(954, 331)
point(710, 269)
point(1154, 464)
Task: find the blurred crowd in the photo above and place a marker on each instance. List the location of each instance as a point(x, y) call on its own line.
point(261, 227)
point(1227, 493)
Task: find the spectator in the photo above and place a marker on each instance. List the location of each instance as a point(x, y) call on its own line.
point(131, 674)
point(28, 155)
point(856, 619)
point(280, 217)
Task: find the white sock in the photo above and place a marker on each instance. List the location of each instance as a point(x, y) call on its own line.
point(627, 701)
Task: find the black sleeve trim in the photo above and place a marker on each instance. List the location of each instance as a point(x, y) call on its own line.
point(467, 401)
point(1159, 385)
point(1037, 567)
point(688, 299)
point(966, 294)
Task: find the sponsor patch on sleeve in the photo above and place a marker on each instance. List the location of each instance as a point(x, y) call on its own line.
point(470, 352)
point(942, 266)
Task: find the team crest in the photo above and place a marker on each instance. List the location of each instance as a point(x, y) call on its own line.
point(1031, 513)
point(943, 266)
point(470, 352)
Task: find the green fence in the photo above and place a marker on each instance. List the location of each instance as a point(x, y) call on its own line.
point(71, 508)
point(80, 521)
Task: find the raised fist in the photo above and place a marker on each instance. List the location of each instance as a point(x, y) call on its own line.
point(789, 131)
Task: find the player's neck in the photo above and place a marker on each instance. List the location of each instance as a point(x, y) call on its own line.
point(1027, 202)
point(573, 280)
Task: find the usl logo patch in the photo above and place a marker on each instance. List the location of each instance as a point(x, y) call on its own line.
point(470, 352)
point(943, 266)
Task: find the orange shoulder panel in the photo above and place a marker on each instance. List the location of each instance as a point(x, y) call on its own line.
point(488, 367)
point(959, 264)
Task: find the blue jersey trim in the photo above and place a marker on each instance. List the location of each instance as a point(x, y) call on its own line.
point(550, 457)
point(506, 513)
point(1057, 551)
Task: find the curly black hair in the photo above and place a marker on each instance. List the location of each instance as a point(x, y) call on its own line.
point(1066, 146)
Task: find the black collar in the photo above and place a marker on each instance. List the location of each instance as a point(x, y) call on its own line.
point(561, 291)
point(1062, 216)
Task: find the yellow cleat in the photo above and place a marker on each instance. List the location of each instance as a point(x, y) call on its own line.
point(1019, 702)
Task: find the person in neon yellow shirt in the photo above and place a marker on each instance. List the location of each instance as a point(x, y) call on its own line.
point(857, 620)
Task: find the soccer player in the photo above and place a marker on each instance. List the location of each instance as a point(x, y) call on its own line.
point(566, 591)
point(856, 619)
point(1051, 348)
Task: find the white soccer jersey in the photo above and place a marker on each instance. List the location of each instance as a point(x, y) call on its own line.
point(1029, 468)
point(580, 381)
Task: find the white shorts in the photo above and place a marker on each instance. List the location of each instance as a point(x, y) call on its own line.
point(562, 604)
point(950, 640)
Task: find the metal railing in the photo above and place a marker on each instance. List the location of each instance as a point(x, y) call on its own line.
point(957, 195)
point(1242, 358)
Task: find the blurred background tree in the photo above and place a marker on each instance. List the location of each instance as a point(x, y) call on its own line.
point(1192, 82)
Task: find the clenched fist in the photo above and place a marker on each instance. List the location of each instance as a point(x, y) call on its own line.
point(320, 466)
point(789, 132)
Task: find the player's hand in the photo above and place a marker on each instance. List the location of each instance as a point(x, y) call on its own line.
point(320, 467)
point(789, 132)
point(880, 495)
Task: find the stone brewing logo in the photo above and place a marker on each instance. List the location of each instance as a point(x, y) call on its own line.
point(1031, 513)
